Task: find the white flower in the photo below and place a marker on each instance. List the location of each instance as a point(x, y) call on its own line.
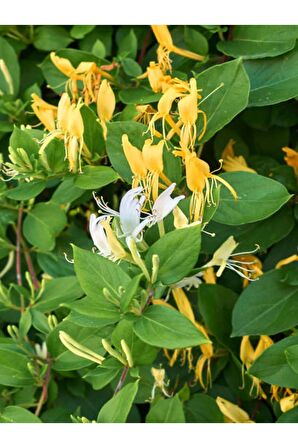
point(98, 235)
point(164, 204)
point(129, 213)
point(223, 258)
point(190, 282)
point(41, 350)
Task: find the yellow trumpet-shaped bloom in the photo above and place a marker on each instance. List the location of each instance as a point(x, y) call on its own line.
point(117, 249)
point(184, 306)
point(70, 128)
point(231, 162)
point(288, 403)
point(255, 266)
point(45, 112)
point(166, 46)
point(135, 160)
point(106, 103)
point(188, 115)
point(291, 158)
point(159, 382)
point(248, 355)
point(87, 72)
point(231, 412)
point(286, 261)
point(197, 178)
point(146, 165)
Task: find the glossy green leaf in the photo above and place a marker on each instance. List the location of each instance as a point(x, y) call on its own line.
point(273, 80)
point(202, 408)
point(258, 198)
point(25, 191)
point(17, 414)
point(13, 368)
point(51, 37)
point(266, 306)
point(95, 177)
point(9, 58)
point(95, 272)
point(272, 366)
point(259, 41)
point(228, 87)
point(175, 265)
point(116, 410)
point(164, 327)
point(39, 230)
point(166, 411)
point(57, 292)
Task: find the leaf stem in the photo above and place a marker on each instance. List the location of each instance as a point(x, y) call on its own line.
point(44, 392)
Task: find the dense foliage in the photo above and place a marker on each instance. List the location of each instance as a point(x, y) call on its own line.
point(148, 224)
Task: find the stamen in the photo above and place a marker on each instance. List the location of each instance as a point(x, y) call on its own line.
point(67, 259)
point(249, 252)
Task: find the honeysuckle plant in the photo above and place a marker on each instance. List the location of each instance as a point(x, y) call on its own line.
point(148, 224)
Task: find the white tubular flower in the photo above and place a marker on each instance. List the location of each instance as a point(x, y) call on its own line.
point(129, 213)
point(98, 235)
point(164, 204)
point(223, 257)
point(190, 282)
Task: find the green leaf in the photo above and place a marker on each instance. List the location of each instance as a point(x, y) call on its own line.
point(131, 67)
point(95, 177)
point(57, 292)
point(195, 41)
point(116, 410)
point(259, 41)
point(102, 375)
point(25, 323)
point(166, 411)
point(53, 157)
point(9, 57)
point(41, 231)
point(292, 357)
point(67, 192)
point(289, 417)
point(127, 43)
point(16, 414)
point(227, 101)
point(80, 31)
point(272, 366)
point(202, 409)
point(216, 305)
point(93, 135)
point(94, 312)
point(51, 37)
point(258, 198)
point(98, 49)
point(175, 265)
point(267, 306)
point(13, 368)
point(163, 327)
point(114, 144)
point(95, 272)
point(138, 95)
point(21, 138)
point(273, 80)
point(142, 354)
point(26, 190)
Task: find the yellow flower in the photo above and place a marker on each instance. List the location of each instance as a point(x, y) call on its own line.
point(225, 257)
point(291, 158)
point(87, 72)
point(197, 179)
point(248, 355)
point(286, 261)
point(188, 115)
point(166, 46)
point(231, 162)
point(135, 160)
point(159, 382)
point(146, 165)
point(288, 403)
point(69, 127)
point(255, 266)
point(106, 103)
point(184, 306)
point(144, 115)
point(45, 112)
point(231, 412)
point(209, 276)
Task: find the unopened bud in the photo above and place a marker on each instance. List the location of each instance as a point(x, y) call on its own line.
point(127, 352)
